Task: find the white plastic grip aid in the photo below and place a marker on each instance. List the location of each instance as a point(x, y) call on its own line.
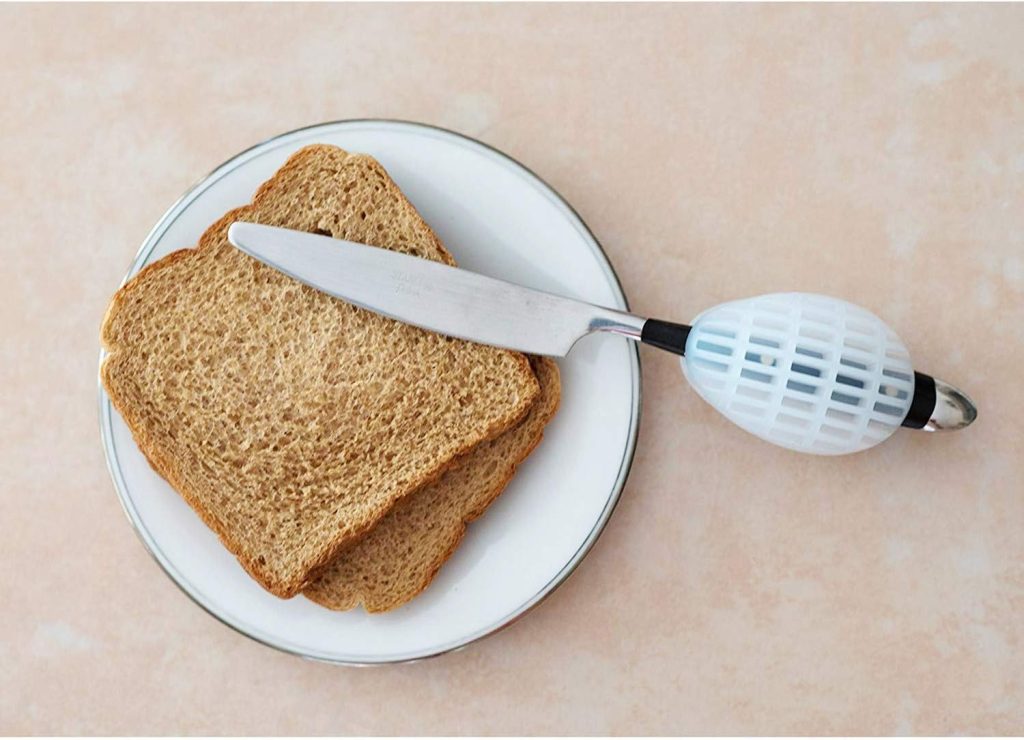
point(804, 371)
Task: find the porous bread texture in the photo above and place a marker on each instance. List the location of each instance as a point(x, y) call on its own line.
point(289, 420)
point(399, 558)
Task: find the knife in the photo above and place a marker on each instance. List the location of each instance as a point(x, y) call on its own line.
point(804, 371)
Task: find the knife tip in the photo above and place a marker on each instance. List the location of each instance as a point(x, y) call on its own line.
point(235, 232)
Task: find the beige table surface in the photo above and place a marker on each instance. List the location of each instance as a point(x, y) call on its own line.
point(873, 153)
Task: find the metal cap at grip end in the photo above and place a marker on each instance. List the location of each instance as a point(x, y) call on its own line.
point(953, 409)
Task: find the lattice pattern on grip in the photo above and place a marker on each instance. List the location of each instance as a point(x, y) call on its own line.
point(808, 372)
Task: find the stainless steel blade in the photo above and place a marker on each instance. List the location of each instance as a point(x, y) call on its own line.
point(431, 295)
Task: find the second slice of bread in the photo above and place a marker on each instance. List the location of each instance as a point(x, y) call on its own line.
point(291, 421)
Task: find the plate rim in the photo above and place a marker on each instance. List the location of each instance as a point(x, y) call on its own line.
point(615, 493)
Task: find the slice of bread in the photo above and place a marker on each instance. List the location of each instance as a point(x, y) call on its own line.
point(402, 554)
point(291, 421)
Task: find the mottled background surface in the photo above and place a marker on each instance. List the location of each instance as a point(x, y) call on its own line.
point(875, 153)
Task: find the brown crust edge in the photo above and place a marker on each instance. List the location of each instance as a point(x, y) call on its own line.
point(166, 469)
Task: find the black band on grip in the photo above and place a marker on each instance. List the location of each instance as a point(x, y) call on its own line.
point(923, 403)
point(665, 335)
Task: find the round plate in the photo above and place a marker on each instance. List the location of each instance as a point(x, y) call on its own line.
point(497, 218)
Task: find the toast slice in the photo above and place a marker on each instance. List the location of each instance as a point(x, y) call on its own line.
point(291, 421)
point(401, 555)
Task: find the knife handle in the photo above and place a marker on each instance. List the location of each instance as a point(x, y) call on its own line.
point(811, 373)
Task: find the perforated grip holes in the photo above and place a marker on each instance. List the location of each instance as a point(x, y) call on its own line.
point(804, 371)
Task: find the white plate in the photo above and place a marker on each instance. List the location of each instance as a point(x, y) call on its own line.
point(497, 218)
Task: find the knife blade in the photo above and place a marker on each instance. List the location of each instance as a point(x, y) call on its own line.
point(431, 295)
